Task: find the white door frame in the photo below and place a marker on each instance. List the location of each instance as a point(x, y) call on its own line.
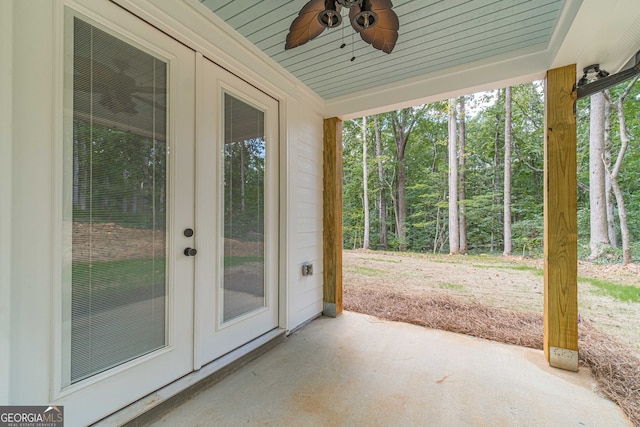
point(213, 337)
point(132, 380)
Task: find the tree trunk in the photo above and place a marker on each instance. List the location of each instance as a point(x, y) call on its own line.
point(402, 206)
point(443, 229)
point(402, 123)
point(437, 233)
point(613, 175)
point(461, 178)
point(365, 185)
point(495, 200)
point(383, 203)
point(507, 172)
point(454, 230)
point(624, 228)
point(394, 203)
point(242, 176)
point(608, 190)
point(597, 195)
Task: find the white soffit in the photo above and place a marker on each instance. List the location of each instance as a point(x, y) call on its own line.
point(602, 32)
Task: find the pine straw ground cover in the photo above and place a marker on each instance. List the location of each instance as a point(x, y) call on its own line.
point(615, 367)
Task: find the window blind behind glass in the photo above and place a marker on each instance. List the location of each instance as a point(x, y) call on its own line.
point(119, 193)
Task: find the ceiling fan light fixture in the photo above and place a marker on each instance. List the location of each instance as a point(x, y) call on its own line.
point(330, 17)
point(374, 20)
point(364, 19)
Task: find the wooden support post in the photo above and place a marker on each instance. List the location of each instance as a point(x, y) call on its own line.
point(560, 220)
point(332, 217)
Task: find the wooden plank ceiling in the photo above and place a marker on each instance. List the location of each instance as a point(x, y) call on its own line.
point(434, 35)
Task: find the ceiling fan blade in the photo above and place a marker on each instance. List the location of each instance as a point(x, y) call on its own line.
point(88, 72)
point(94, 76)
point(306, 26)
point(384, 34)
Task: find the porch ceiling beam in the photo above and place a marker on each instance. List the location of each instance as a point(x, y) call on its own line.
point(560, 220)
point(332, 217)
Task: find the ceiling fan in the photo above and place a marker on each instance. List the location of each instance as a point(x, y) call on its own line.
point(374, 20)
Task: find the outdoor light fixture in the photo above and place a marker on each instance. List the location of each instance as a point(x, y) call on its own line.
point(596, 79)
point(374, 20)
point(591, 73)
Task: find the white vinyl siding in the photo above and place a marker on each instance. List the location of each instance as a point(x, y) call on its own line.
point(305, 293)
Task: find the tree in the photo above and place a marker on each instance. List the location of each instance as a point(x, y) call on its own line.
point(243, 202)
point(507, 172)
point(454, 230)
point(427, 182)
point(613, 175)
point(496, 170)
point(365, 185)
point(352, 202)
point(382, 202)
point(402, 123)
point(426, 165)
point(608, 190)
point(599, 239)
point(461, 178)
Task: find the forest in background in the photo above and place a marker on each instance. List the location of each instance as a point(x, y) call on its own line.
point(466, 175)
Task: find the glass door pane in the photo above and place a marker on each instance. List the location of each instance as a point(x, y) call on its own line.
point(118, 196)
point(244, 208)
point(237, 198)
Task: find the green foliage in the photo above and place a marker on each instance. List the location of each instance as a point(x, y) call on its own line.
point(119, 177)
point(426, 166)
point(244, 163)
point(231, 261)
point(365, 271)
point(528, 236)
point(624, 293)
point(609, 255)
point(536, 271)
point(629, 177)
point(455, 286)
point(108, 280)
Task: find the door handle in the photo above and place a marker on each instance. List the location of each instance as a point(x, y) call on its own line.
point(190, 252)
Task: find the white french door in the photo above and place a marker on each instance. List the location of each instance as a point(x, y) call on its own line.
point(128, 190)
point(169, 229)
point(236, 212)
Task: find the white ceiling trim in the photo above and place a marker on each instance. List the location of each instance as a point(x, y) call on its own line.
point(492, 73)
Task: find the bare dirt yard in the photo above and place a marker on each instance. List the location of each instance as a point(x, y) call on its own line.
point(507, 283)
point(501, 298)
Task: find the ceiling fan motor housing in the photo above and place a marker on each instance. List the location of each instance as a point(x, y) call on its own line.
point(350, 3)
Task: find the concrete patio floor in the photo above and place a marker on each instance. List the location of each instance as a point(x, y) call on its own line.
point(358, 370)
